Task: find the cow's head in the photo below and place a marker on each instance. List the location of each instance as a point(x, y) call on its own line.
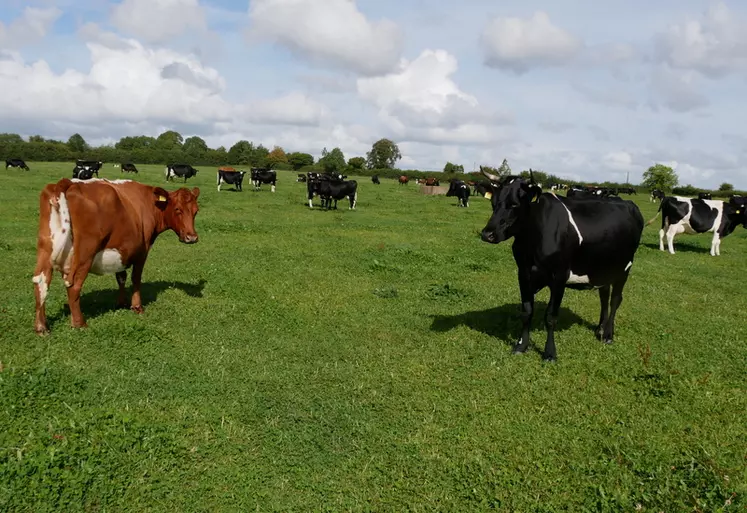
point(179, 210)
point(511, 197)
point(737, 210)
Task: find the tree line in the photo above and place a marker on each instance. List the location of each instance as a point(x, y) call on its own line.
point(171, 147)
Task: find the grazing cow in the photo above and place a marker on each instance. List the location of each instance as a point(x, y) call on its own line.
point(183, 170)
point(230, 176)
point(560, 243)
point(403, 180)
point(657, 194)
point(432, 181)
point(301, 178)
point(375, 180)
point(461, 190)
point(263, 175)
point(705, 195)
point(16, 163)
point(334, 189)
point(685, 215)
point(313, 185)
point(83, 173)
point(129, 167)
point(103, 227)
point(93, 165)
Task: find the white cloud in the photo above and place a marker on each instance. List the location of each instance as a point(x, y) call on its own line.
point(329, 31)
point(676, 90)
point(159, 87)
point(520, 44)
point(715, 46)
point(32, 26)
point(422, 102)
point(156, 21)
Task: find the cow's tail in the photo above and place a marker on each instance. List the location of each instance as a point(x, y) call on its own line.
point(661, 204)
point(217, 177)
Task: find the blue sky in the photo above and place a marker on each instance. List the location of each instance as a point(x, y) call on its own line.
point(584, 89)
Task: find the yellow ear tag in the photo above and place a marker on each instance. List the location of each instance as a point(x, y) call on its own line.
point(161, 198)
point(488, 195)
point(739, 211)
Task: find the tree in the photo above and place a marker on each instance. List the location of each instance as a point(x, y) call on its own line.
point(505, 169)
point(195, 147)
point(241, 152)
point(383, 155)
point(77, 144)
point(726, 187)
point(259, 156)
point(356, 163)
point(11, 139)
point(660, 177)
point(332, 161)
point(540, 177)
point(169, 140)
point(453, 168)
point(299, 160)
point(36, 139)
point(277, 156)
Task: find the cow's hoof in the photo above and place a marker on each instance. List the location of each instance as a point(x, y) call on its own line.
point(549, 359)
point(80, 326)
point(42, 331)
point(137, 309)
point(608, 341)
point(520, 350)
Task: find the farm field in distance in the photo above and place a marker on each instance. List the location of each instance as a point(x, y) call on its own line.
point(299, 360)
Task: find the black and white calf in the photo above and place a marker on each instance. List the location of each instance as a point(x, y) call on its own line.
point(657, 194)
point(16, 163)
point(375, 180)
point(235, 178)
point(462, 192)
point(685, 215)
point(129, 167)
point(181, 170)
point(83, 173)
point(93, 165)
point(263, 175)
point(561, 242)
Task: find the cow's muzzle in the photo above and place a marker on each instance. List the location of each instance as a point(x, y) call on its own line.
point(489, 236)
point(190, 239)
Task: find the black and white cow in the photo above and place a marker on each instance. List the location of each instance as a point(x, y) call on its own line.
point(482, 189)
point(705, 195)
point(301, 178)
point(235, 178)
point(561, 242)
point(657, 194)
point(263, 175)
point(627, 190)
point(16, 163)
point(182, 170)
point(83, 173)
point(462, 192)
point(686, 215)
point(375, 180)
point(129, 167)
point(93, 165)
point(337, 189)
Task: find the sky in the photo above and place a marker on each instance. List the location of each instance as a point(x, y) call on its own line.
point(583, 89)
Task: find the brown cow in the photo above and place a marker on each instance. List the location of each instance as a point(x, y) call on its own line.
point(104, 227)
point(432, 181)
point(403, 180)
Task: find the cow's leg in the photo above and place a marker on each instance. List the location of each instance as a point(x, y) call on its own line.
point(671, 232)
point(122, 296)
point(715, 243)
point(78, 274)
point(661, 239)
point(42, 278)
point(527, 310)
point(617, 297)
point(137, 276)
point(551, 320)
point(604, 300)
point(273, 186)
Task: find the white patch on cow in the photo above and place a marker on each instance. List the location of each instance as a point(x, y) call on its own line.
point(630, 264)
point(575, 279)
point(273, 188)
point(41, 283)
point(60, 229)
point(310, 204)
point(108, 261)
point(92, 180)
point(573, 222)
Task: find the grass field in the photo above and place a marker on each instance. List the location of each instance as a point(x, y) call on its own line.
point(303, 360)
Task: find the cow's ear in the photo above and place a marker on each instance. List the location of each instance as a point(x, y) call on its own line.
point(196, 192)
point(161, 197)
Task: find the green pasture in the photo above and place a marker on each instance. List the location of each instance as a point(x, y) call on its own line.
point(304, 360)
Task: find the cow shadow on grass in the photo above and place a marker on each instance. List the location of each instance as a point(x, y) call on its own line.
point(504, 322)
point(100, 302)
point(683, 247)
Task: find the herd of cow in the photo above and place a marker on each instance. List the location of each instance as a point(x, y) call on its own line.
point(584, 240)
